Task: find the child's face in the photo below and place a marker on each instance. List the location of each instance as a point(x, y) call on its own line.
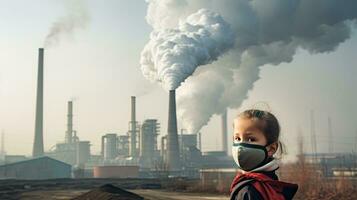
point(246, 130)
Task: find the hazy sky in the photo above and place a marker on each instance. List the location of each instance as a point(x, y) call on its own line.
point(99, 68)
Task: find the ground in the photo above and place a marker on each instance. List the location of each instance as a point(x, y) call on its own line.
point(147, 194)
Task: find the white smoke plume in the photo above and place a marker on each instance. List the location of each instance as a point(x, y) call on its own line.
point(173, 54)
point(77, 17)
point(267, 32)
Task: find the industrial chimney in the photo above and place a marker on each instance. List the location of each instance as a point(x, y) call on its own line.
point(224, 131)
point(69, 132)
point(38, 142)
point(2, 148)
point(173, 156)
point(133, 129)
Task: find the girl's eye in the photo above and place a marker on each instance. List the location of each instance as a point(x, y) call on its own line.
point(251, 139)
point(237, 139)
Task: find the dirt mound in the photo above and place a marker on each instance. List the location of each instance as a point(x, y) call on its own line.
point(108, 192)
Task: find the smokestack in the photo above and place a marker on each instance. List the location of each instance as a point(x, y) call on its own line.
point(69, 132)
point(133, 129)
point(38, 143)
point(173, 156)
point(199, 141)
point(2, 148)
point(224, 131)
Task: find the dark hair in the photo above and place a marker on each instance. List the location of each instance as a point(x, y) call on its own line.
point(269, 125)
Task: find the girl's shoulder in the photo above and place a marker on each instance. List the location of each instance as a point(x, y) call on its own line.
point(247, 192)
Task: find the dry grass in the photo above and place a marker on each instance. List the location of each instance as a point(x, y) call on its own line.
point(312, 185)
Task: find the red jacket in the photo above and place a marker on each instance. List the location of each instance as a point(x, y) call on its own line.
point(267, 187)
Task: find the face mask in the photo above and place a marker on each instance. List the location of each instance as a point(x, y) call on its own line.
point(249, 156)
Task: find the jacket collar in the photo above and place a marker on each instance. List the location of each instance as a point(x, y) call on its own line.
point(268, 167)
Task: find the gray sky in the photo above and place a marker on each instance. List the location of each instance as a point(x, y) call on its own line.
point(99, 68)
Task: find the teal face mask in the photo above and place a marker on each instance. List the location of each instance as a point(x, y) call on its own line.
point(249, 156)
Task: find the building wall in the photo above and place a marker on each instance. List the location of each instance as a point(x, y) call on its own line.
point(116, 172)
point(187, 140)
point(65, 152)
point(83, 152)
point(39, 168)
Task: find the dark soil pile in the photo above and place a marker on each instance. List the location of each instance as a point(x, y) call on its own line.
point(108, 192)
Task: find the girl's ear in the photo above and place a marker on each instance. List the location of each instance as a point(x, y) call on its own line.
point(272, 148)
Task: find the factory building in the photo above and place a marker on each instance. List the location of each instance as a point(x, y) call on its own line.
point(333, 164)
point(186, 141)
point(115, 151)
point(193, 160)
point(149, 154)
point(190, 155)
point(122, 150)
point(64, 152)
point(83, 152)
point(180, 154)
point(72, 150)
point(114, 147)
point(37, 168)
point(123, 145)
point(109, 146)
point(217, 159)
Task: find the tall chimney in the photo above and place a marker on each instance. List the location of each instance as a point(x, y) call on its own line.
point(173, 156)
point(69, 132)
point(133, 129)
point(2, 148)
point(199, 141)
point(224, 131)
point(38, 143)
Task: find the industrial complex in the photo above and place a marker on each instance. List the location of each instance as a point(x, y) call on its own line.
point(138, 153)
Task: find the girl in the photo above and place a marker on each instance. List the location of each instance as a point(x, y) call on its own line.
point(255, 141)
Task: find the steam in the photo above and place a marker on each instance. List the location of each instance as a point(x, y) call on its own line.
point(266, 32)
point(173, 54)
point(77, 17)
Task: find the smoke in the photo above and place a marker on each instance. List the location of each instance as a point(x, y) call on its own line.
point(77, 17)
point(173, 54)
point(74, 98)
point(266, 32)
point(142, 89)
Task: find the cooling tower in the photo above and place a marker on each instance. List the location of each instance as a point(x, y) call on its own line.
point(173, 156)
point(69, 132)
point(133, 129)
point(38, 142)
point(224, 132)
